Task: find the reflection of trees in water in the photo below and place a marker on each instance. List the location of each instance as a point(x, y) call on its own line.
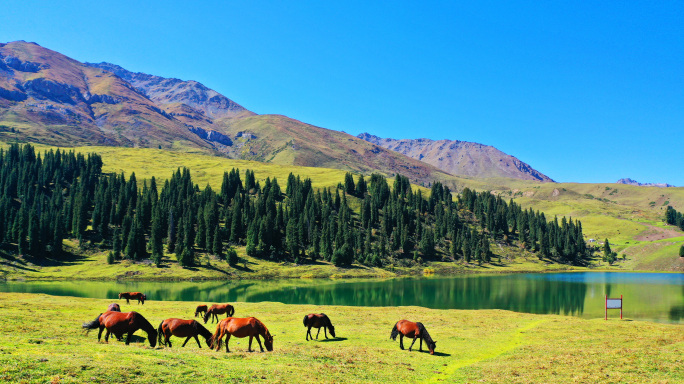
point(516, 294)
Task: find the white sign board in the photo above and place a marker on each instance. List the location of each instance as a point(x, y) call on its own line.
point(613, 303)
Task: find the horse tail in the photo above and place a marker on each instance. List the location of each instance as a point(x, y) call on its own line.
point(160, 331)
point(305, 319)
point(216, 338)
point(395, 333)
point(93, 324)
point(231, 311)
point(424, 334)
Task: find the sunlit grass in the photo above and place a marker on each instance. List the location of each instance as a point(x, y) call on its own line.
point(42, 341)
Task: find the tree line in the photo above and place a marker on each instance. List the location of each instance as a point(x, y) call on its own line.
point(59, 195)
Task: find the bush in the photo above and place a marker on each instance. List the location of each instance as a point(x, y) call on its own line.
point(232, 256)
point(111, 257)
point(187, 258)
point(343, 256)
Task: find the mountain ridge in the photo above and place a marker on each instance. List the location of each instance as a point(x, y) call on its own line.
point(462, 158)
point(629, 181)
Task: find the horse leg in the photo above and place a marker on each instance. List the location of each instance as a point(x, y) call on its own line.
point(325, 332)
point(401, 341)
point(414, 341)
point(186, 341)
point(99, 334)
point(249, 349)
point(421, 345)
point(259, 341)
point(107, 336)
point(308, 333)
point(227, 340)
point(198, 343)
point(128, 339)
point(318, 333)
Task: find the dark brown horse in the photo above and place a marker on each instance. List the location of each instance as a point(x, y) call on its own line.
point(132, 296)
point(201, 309)
point(114, 307)
point(319, 321)
point(250, 326)
point(182, 328)
point(218, 309)
point(119, 323)
point(414, 331)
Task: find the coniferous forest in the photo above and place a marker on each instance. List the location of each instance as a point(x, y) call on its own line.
point(55, 195)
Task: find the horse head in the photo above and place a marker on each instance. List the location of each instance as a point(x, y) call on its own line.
point(206, 316)
point(152, 337)
point(332, 330)
point(268, 341)
point(121, 295)
point(431, 347)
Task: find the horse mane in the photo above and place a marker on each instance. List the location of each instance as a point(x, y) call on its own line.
point(144, 324)
point(425, 335)
point(202, 330)
point(261, 326)
point(395, 333)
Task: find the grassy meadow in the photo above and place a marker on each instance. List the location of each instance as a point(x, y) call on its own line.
point(42, 341)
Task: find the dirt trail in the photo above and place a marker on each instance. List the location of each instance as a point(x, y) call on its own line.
point(657, 233)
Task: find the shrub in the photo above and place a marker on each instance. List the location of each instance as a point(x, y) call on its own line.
point(232, 256)
point(111, 257)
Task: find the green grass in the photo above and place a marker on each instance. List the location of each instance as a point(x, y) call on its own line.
point(42, 341)
point(91, 264)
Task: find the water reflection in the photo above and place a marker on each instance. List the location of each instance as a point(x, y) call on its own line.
point(648, 296)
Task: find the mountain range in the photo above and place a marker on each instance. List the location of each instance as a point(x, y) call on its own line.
point(47, 97)
point(629, 181)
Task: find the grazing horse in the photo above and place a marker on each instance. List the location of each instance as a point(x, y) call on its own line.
point(319, 321)
point(114, 307)
point(133, 295)
point(244, 327)
point(182, 328)
point(119, 323)
point(218, 309)
point(415, 331)
point(201, 309)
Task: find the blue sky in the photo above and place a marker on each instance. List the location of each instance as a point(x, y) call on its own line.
point(582, 91)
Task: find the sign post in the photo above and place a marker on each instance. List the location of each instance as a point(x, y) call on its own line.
point(613, 304)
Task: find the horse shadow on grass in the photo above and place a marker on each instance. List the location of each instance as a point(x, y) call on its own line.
point(333, 339)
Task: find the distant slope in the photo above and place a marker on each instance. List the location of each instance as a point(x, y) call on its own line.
point(629, 181)
point(461, 157)
point(175, 94)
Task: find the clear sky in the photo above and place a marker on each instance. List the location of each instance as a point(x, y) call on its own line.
point(583, 91)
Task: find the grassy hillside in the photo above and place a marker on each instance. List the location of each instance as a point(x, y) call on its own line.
point(631, 217)
point(472, 346)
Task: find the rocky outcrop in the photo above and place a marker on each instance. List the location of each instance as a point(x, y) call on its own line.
point(211, 135)
point(461, 157)
point(44, 89)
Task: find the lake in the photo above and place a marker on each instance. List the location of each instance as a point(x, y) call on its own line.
point(647, 296)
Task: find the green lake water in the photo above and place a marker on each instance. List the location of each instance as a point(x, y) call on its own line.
point(647, 296)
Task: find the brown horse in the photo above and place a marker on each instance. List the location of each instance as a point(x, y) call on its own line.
point(182, 328)
point(319, 321)
point(218, 309)
point(201, 309)
point(114, 307)
point(119, 323)
point(250, 326)
point(414, 331)
point(133, 295)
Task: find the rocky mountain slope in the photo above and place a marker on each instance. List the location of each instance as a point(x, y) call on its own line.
point(629, 181)
point(461, 157)
point(49, 98)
